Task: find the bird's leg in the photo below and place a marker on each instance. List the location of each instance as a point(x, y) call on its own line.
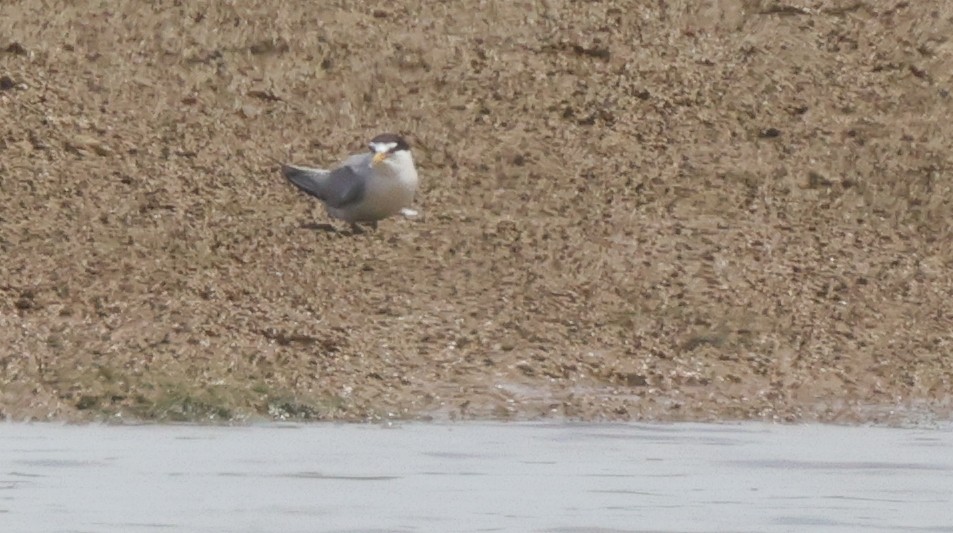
point(356, 229)
point(374, 225)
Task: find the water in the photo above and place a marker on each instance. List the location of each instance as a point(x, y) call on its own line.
point(560, 478)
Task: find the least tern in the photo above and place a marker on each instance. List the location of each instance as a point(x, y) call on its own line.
point(367, 187)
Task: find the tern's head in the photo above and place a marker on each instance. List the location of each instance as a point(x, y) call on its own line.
point(390, 148)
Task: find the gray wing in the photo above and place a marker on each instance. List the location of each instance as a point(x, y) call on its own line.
point(337, 188)
point(361, 160)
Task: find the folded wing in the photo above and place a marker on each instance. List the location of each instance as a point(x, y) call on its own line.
point(337, 188)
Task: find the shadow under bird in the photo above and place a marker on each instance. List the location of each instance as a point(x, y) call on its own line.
point(367, 187)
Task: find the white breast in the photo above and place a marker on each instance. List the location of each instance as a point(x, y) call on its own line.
point(391, 189)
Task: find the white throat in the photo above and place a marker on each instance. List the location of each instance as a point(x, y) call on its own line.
point(400, 165)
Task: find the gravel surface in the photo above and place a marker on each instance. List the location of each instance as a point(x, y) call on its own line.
point(628, 210)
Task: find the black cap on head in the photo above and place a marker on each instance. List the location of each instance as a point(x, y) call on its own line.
point(397, 142)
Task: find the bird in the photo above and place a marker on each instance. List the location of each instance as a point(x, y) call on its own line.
point(366, 187)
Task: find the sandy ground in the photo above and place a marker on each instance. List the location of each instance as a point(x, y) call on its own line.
point(683, 210)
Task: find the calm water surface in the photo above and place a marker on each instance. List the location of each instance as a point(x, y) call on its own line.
point(560, 478)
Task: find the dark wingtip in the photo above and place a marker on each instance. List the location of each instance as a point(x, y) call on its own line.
point(291, 172)
point(307, 179)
